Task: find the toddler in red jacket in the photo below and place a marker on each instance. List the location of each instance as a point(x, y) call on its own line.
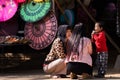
point(99, 38)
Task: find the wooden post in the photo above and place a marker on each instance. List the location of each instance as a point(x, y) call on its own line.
point(118, 18)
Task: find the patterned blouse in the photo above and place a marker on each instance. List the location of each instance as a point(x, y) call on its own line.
point(57, 51)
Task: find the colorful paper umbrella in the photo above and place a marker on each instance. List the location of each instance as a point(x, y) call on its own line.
point(38, 0)
point(32, 12)
point(41, 33)
point(7, 9)
point(20, 1)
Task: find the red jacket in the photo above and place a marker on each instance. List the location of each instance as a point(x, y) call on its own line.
point(100, 41)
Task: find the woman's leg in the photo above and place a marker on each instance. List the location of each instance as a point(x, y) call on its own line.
point(79, 68)
point(56, 67)
point(74, 68)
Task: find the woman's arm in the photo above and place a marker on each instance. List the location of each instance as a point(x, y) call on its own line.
point(60, 49)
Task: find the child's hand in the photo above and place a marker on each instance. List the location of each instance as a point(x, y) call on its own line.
point(93, 32)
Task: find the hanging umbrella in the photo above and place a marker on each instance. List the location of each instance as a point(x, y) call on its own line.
point(20, 1)
point(32, 12)
point(38, 0)
point(7, 9)
point(42, 33)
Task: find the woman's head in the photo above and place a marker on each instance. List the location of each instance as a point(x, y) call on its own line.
point(68, 32)
point(64, 31)
point(74, 40)
point(78, 30)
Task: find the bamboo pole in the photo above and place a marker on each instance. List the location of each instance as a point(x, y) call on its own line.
point(109, 38)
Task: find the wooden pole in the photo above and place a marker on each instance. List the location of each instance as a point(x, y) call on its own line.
point(109, 38)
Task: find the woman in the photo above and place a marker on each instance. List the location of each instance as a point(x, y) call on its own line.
point(79, 50)
point(54, 62)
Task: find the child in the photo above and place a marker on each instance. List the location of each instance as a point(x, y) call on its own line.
point(98, 37)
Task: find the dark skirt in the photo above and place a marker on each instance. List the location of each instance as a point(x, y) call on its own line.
point(79, 68)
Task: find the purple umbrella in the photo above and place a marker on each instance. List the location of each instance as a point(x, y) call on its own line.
point(42, 33)
point(7, 9)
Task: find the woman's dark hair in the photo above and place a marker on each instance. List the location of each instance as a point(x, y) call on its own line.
point(62, 34)
point(69, 28)
point(74, 40)
point(62, 30)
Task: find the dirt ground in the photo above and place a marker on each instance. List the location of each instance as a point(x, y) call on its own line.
point(40, 75)
point(28, 71)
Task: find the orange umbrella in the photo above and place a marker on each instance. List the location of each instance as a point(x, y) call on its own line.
point(38, 0)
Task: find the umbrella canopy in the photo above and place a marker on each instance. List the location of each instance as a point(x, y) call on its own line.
point(20, 1)
point(32, 12)
point(7, 9)
point(38, 0)
point(42, 33)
